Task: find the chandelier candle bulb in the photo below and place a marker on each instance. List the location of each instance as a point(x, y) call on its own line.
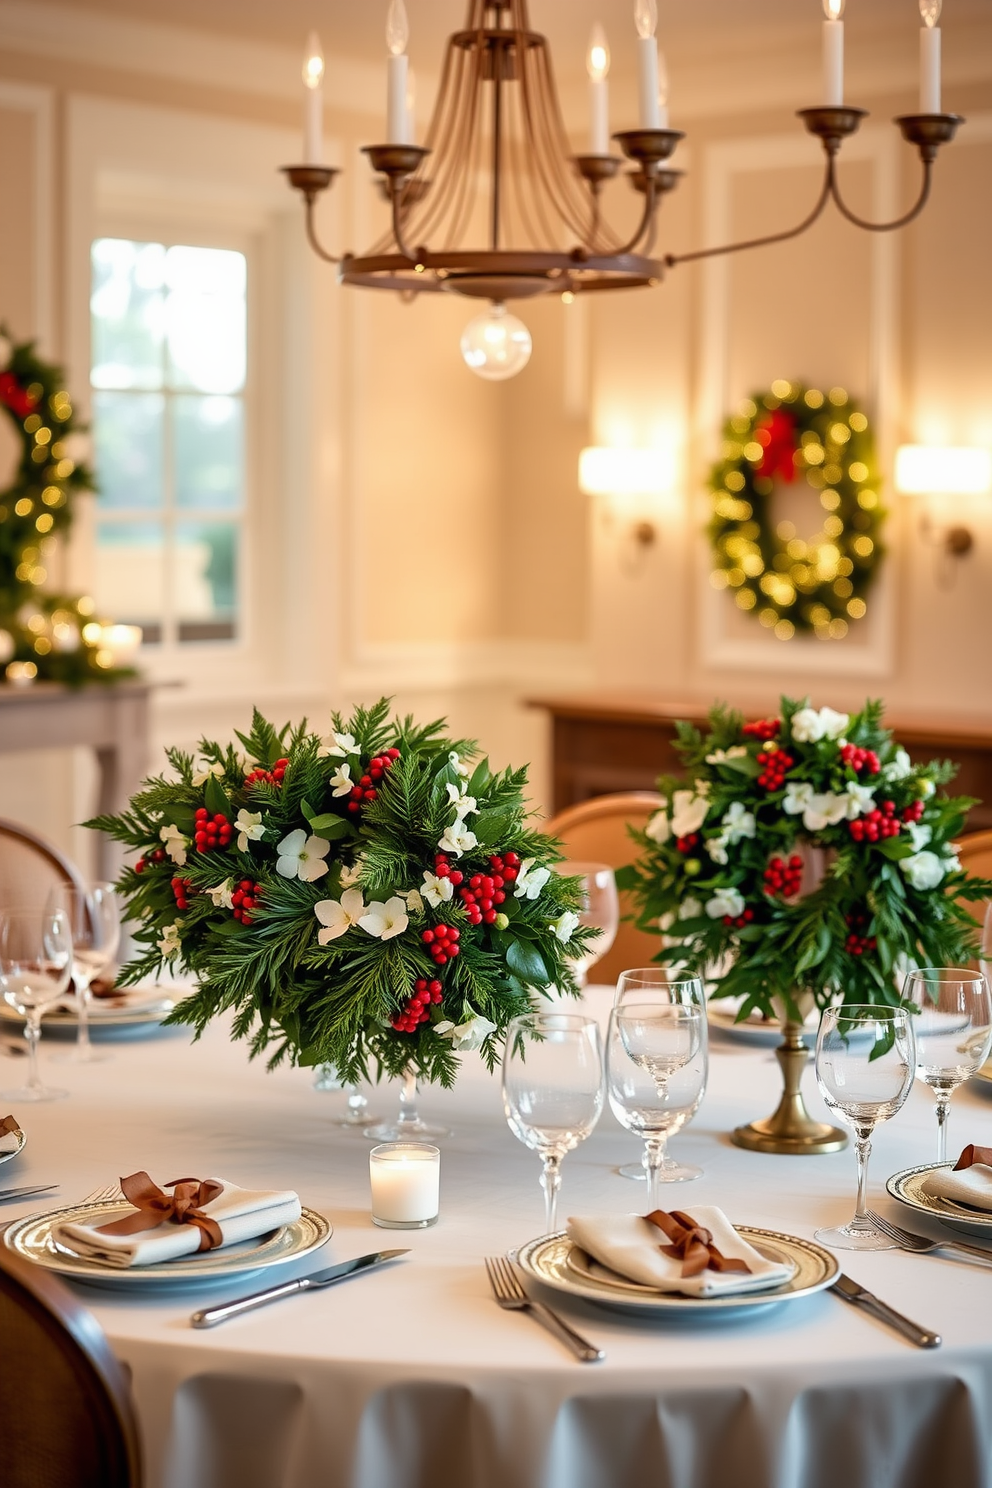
point(398, 112)
point(663, 121)
point(930, 57)
point(598, 66)
point(833, 53)
point(405, 1180)
point(313, 117)
point(646, 21)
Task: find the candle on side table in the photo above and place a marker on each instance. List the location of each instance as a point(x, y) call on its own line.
point(405, 1179)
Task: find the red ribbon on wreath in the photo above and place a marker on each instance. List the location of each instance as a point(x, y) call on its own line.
point(777, 436)
point(15, 397)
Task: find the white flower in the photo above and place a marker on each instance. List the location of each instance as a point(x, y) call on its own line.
point(457, 765)
point(175, 843)
point(349, 876)
point(919, 835)
point(737, 822)
point(689, 808)
point(341, 782)
point(221, 895)
point(248, 825)
point(690, 909)
point(926, 788)
point(338, 745)
point(717, 849)
point(824, 810)
point(464, 805)
point(436, 890)
point(337, 916)
point(457, 839)
point(725, 902)
point(469, 1035)
point(170, 943)
point(924, 870)
point(564, 925)
point(809, 725)
point(659, 828)
point(834, 723)
point(384, 921)
point(530, 880)
point(797, 793)
point(720, 756)
point(205, 775)
point(860, 798)
point(301, 856)
point(900, 767)
point(952, 863)
point(414, 902)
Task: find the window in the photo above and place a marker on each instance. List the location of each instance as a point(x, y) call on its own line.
point(169, 347)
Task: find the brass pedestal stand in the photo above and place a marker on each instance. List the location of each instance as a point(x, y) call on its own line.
point(791, 1128)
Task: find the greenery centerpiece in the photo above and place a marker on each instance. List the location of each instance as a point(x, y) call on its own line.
point(805, 857)
point(374, 899)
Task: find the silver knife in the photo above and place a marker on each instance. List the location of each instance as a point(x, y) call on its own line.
point(859, 1296)
point(208, 1317)
point(26, 1191)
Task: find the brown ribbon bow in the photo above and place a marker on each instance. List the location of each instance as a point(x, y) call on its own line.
point(7, 1125)
point(182, 1207)
point(693, 1243)
point(972, 1155)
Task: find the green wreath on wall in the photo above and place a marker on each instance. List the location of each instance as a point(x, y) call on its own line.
point(793, 584)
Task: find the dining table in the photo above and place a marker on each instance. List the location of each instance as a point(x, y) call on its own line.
point(412, 1377)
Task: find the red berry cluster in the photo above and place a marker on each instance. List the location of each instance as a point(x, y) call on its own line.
point(157, 855)
point(442, 943)
point(913, 813)
point(687, 843)
point(443, 869)
point(857, 943)
point(365, 790)
point(784, 878)
point(740, 921)
point(762, 728)
point(415, 1010)
point(860, 759)
point(211, 832)
point(244, 899)
point(877, 824)
point(181, 888)
point(270, 777)
point(775, 765)
point(485, 892)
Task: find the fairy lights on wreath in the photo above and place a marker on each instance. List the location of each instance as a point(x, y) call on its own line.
point(816, 585)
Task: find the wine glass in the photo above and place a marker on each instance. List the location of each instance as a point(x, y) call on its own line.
point(356, 1113)
point(953, 1028)
point(656, 1076)
point(552, 1089)
point(600, 911)
point(35, 966)
point(651, 985)
point(95, 924)
point(409, 1124)
point(865, 1064)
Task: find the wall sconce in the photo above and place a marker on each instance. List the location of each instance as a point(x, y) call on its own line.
point(944, 470)
point(628, 473)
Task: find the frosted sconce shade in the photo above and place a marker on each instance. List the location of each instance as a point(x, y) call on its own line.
point(948, 470)
point(625, 472)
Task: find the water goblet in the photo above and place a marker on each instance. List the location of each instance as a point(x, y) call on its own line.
point(656, 1076)
point(953, 1028)
point(409, 1123)
point(653, 984)
point(600, 911)
point(552, 1089)
point(356, 1113)
point(865, 1065)
point(95, 925)
point(35, 966)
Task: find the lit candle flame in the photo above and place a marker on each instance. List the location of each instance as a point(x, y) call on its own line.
point(646, 18)
point(833, 9)
point(930, 11)
point(313, 62)
point(397, 28)
point(598, 59)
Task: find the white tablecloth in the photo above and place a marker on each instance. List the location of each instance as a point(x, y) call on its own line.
point(413, 1378)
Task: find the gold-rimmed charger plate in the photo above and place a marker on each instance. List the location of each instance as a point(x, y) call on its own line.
point(752, 1030)
point(558, 1263)
point(130, 1007)
point(34, 1240)
point(20, 1140)
point(907, 1188)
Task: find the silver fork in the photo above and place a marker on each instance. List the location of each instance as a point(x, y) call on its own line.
point(509, 1293)
point(922, 1244)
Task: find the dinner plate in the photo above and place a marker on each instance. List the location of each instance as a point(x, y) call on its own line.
point(907, 1187)
point(985, 1073)
point(131, 1007)
point(558, 1263)
point(6, 1156)
point(754, 1029)
point(33, 1239)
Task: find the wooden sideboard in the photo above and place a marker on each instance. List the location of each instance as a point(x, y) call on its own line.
point(619, 742)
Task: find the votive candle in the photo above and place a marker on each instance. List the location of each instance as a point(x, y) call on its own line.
point(405, 1180)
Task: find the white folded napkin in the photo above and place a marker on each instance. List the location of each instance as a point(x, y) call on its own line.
point(632, 1247)
point(10, 1134)
point(970, 1186)
point(241, 1214)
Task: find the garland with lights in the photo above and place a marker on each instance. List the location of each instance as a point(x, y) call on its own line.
point(725, 871)
point(788, 433)
point(369, 898)
point(42, 635)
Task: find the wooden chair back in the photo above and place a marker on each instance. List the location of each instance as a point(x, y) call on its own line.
point(596, 832)
point(30, 867)
point(66, 1414)
point(975, 853)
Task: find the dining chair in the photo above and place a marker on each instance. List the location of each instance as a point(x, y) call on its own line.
point(975, 853)
point(595, 831)
point(30, 866)
point(66, 1415)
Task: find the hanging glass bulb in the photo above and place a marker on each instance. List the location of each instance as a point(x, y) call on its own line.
point(397, 28)
point(496, 345)
point(930, 11)
point(646, 18)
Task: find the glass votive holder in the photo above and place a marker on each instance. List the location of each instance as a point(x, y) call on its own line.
point(405, 1178)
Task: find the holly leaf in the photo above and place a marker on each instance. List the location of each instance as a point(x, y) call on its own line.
point(528, 963)
point(494, 826)
point(180, 816)
point(215, 798)
point(480, 777)
point(330, 826)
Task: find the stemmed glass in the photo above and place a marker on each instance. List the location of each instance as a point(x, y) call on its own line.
point(660, 984)
point(409, 1124)
point(552, 1089)
point(865, 1063)
point(356, 1113)
point(655, 1076)
point(35, 966)
point(95, 925)
point(953, 1028)
point(600, 911)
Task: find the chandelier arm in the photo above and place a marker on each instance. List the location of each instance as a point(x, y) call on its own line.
point(644, 227)
point(907, 217)
point(312, 238)
point(672, 259)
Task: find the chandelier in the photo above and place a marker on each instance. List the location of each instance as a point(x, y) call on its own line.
point(496, 206)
